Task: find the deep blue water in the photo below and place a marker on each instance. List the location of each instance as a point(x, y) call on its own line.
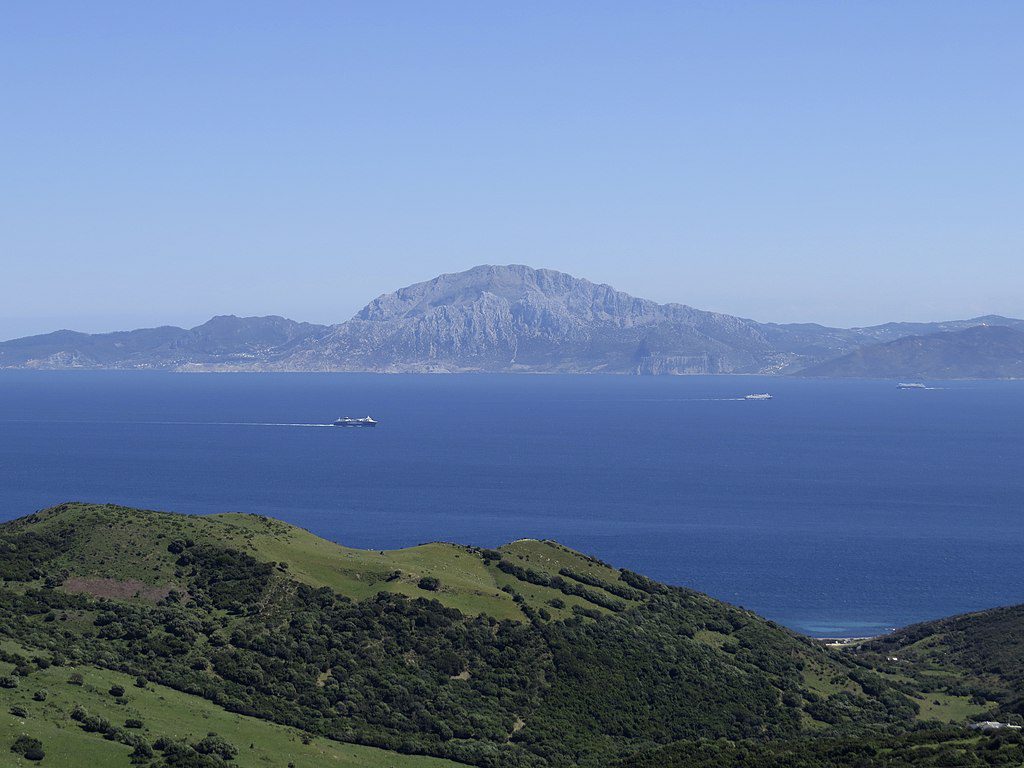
point(838, 508)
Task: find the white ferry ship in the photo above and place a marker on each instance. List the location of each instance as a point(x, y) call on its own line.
point(348, 421)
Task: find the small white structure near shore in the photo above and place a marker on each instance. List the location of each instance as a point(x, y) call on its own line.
point(992, 725)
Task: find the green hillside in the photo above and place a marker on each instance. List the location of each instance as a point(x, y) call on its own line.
point(934, 747)
point(160, 712)
point(978, 656)
point(528, 655)
point(956, 670)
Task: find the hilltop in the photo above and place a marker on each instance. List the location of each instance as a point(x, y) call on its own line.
point(526, 655)
point(512, 318)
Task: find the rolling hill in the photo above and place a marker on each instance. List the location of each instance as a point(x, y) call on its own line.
point(528, 655)
point(958, 670)
point(981, 653)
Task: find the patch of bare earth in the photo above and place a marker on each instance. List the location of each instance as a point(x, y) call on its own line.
point(118, 589)
point(517, 726)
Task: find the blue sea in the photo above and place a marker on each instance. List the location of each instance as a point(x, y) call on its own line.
point(839, 508)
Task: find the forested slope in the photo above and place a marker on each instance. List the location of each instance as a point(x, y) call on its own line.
point(528, 655)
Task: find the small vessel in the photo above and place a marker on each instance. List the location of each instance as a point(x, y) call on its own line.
point(760, 396)
point(348, 421)
point(915, 385)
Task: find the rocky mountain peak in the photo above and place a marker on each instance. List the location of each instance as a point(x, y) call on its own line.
point(513, 284)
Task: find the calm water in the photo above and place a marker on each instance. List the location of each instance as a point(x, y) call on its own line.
point(838, 508)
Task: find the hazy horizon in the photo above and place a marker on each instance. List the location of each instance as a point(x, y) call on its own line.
point(845, 165)
point(104, 325)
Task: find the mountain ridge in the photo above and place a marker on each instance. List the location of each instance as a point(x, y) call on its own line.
point(978, 352)
point(489, 318)
point(516, 318)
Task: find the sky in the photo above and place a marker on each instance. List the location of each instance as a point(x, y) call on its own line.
point(841, 163)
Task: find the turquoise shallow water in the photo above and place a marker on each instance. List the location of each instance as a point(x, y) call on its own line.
point(839, 508)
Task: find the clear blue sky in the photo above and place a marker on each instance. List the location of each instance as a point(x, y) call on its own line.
point(846, 163)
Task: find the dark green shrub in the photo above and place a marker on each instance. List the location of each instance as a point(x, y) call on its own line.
point(96, 724)
point(216, 745)
point(142, 752)
point(429, 583)
point(449, 663)
point(23, 744)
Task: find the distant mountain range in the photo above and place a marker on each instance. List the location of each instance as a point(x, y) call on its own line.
point(981, 352)
point(519, 319)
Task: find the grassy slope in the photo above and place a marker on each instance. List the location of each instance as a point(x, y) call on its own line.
point(358, 573)
point(977, 655)
point(549, 557)
point(125, 544)
point(164, 712)
point(132, 546)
